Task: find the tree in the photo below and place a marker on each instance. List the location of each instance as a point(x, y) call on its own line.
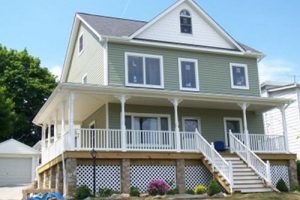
point(7, 116)
point(28, 85)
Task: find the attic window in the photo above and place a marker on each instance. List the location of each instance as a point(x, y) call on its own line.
point(80, 44)
point(185, 22)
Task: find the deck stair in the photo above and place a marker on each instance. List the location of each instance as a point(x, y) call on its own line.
point(245, 180)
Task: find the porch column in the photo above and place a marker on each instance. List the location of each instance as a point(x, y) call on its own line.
point(43, 137)
point(62, 131)
point(123, 99)
point(71, 138)
point(175, 103)
point(49, 134)
point(284, 127)
point(244, 107)
point(55, 127)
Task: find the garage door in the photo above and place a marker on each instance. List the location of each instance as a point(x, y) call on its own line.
point(15, 171)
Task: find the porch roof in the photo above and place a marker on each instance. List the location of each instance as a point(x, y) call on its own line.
point(90, 97)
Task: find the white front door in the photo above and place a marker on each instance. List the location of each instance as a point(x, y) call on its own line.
point(233, 124)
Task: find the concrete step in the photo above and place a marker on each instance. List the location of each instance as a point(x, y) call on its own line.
point(249, 181)
point(255, 190)
point(241, 170)
point(245, 186)
point(253, 177)
point(235, 174)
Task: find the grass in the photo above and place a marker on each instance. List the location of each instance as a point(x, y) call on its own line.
point(264, 196)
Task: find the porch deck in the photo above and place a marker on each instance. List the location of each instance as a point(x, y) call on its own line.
point(110, 140)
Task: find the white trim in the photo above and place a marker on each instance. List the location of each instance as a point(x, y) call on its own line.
point(153, 115)
point(225, 126)
point(246, 87)
point(105, 63)
point(107, 116)
point(144, 85)
point(84, 77)
point(78, 43)
point(180, 60)
point(197, 7)
point(92, 123)
point(192, 118)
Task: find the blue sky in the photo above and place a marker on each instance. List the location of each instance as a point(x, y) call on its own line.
point(271, 26)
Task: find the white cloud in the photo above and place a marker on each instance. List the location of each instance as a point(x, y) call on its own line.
point(56, 71)
point(276, 70)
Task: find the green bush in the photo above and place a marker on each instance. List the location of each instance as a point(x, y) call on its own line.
point(106, 192)
point(82, 192)
point(200, 189)
point(134, 192)
point(173, 191)
point(281, 186)
point(189, 191)
point(213, 188)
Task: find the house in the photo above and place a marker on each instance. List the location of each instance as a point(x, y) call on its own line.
point(272, 118)
point(150, 98)
point(18, 163)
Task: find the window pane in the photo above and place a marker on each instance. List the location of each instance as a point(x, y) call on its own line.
point(239, 76)
point(128, 122)
point(145, 123)
point(233, 125)
point(81, 43)
point(190, 125)
point(135, 70)
point(153, 71)
point(188, 74)
point(186, 24)
point(164, 125)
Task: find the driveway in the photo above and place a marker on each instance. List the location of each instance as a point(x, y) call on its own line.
point(12, 192)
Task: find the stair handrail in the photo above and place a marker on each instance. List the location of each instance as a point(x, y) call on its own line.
point(216, 160)
point(256, 163)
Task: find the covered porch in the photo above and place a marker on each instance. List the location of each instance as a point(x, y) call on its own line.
point(86, 117)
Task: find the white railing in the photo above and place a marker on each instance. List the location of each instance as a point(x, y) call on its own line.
point(217, 161)
point(52, 150)
point(253, 161)
point(99, 139)
point(150, 140)
point(188, 141)
point(263, 143)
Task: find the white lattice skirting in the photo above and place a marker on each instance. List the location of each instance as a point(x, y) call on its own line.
point(107, 176)
point(141, 175)
point(196, 175)
point(278, 172)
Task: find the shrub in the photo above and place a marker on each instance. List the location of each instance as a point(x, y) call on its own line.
point(213, 188)
point(173, 191)
point(134, 192)
point(281, 186)
point(106, 192)
point(158, 187)
point(82, 192)
point(298, 169)
point(189, 191)
point(200, 189)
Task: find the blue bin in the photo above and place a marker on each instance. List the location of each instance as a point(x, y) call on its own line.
point(219, 145)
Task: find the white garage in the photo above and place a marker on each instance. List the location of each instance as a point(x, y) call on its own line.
point(18, 163)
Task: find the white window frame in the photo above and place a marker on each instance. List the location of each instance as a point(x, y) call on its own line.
point(246, 87)
point(144, 85)
point(78, 42)
point(225, 126)
point(158, 116)
point(180, 60)
point(187, 34)
point(85, 76)
point(191, 118)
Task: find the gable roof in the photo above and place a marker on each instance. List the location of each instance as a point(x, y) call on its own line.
point(13, 146)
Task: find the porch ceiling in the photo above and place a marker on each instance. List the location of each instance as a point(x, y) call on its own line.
point(88, 98)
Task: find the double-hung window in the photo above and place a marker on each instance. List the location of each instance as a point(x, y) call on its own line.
point(80, 44)
point(188, 74)
point(185, 22)
point(239, 76)
point(144, 70)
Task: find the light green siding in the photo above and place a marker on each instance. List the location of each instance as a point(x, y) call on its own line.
point(214, 69)
point(99, 117)
point(212, 121)
point(90, 62)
